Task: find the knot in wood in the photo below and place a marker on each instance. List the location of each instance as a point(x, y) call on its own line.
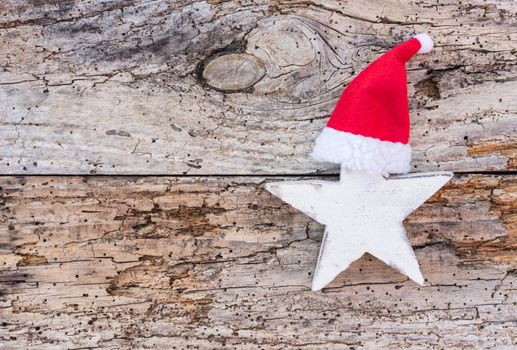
point(233, 72)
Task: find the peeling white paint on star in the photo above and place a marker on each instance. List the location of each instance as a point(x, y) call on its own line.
point(362, 213)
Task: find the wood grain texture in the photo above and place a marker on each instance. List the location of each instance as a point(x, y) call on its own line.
point(242, 87)
point(219, 263)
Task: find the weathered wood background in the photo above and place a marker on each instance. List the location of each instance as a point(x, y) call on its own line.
point(203, 92)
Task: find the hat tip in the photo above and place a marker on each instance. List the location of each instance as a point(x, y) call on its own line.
point(426, 43)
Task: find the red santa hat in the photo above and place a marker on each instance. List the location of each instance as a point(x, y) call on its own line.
point(369, 128)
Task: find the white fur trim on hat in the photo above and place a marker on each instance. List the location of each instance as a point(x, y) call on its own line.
point(356, 152)
point(425, 41)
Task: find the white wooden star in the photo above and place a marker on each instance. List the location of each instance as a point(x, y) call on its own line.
point(362, 213)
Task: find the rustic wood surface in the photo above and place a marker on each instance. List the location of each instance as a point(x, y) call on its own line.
point(219, 263)
point(195, 88)
point(242, 87)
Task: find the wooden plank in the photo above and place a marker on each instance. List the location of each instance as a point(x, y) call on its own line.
point(159, 87)
point(218, 263)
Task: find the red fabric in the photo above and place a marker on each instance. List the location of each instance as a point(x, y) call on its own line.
point(375, 103)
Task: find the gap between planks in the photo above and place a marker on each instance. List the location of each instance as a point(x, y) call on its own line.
point(494, 172)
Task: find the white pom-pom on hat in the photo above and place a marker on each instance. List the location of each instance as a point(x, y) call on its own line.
point(426, 42)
